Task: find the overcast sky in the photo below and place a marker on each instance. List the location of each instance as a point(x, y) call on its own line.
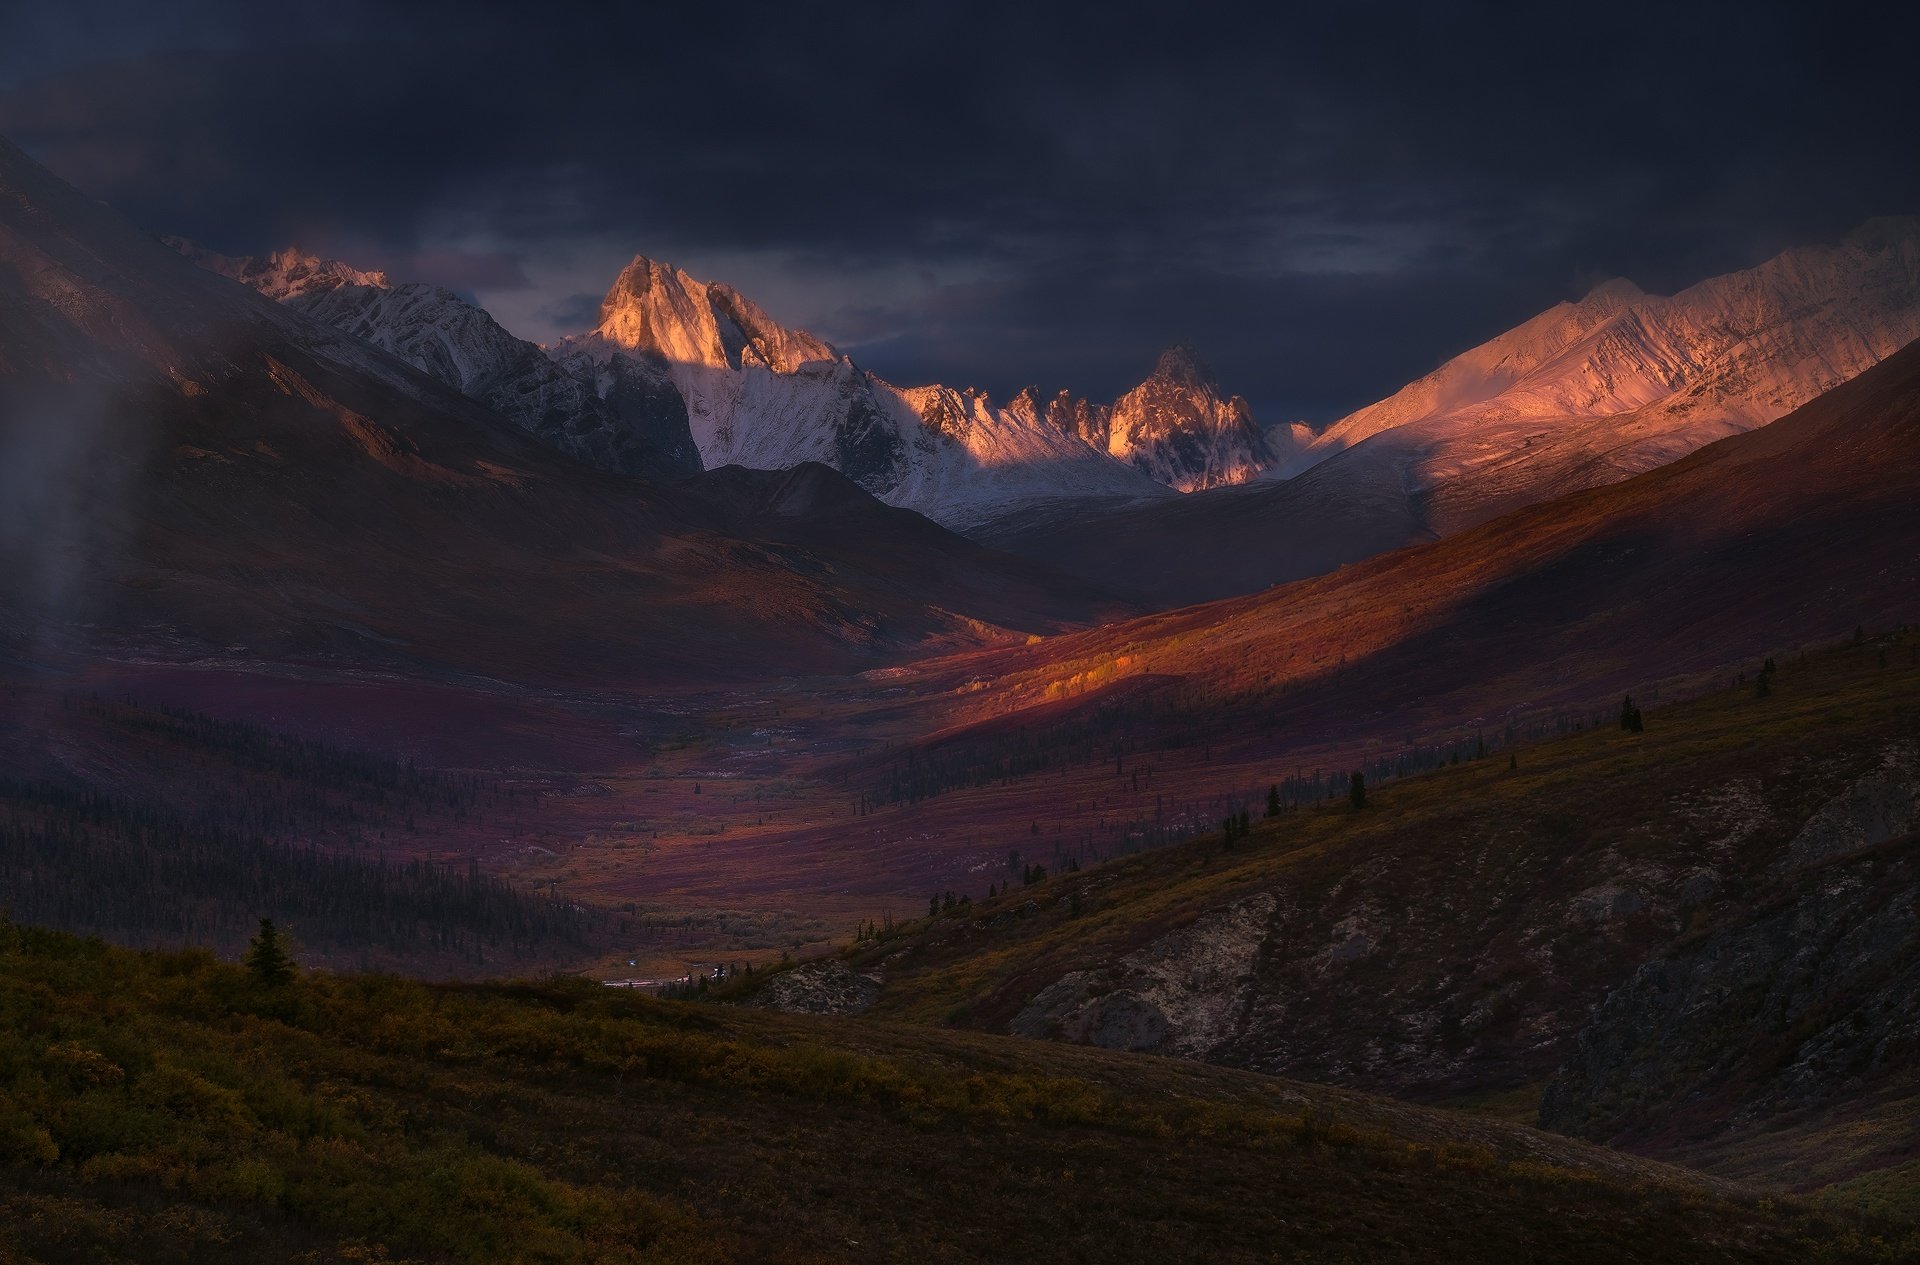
point(1326, 202)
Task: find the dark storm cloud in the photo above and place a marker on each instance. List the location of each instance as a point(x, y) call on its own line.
point(1327, 201)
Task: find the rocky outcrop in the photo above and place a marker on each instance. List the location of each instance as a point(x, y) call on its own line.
point(818, 988)
point(1184, 994)
point(1816, 997)
point(1876, 808)
point(1506, 950)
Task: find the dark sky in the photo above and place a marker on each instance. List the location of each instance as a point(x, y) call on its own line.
point(1327, 200)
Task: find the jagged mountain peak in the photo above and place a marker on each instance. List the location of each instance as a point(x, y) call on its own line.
point(1176, 427)
point(1182, 365)
point(282, 274)
point(1612, 292)
point(655, 307)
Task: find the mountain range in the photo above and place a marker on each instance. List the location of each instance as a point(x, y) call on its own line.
point(680, 375)
point(1587, 393)
point(192, 465)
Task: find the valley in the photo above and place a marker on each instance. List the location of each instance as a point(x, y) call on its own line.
point(493, 770)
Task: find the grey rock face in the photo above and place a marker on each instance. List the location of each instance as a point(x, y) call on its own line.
point(1814, 998)
point(868, 445)
point(1184, 994)
point(819, 988)
point(1873, 810)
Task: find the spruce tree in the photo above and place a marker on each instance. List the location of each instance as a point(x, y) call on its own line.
point(267, 957)
point(1357, 790)
point(1273, 801)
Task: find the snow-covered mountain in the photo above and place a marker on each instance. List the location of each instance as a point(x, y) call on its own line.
point(1621, 381)
point(757, 394)
point(1176, 428)
point(640, 429)
point(284, 274)
point(680, 374)
point(761, 395)
point(1587, 393)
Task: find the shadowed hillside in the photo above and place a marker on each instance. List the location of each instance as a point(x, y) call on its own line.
point(167, 1108)
point(1734, 881)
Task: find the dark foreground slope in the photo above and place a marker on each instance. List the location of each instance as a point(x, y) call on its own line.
point(1700, 937)
point(167, 1108)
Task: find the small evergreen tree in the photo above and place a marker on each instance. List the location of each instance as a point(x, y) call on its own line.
point(1273, 801)
point(1357, 790)
point(267, 957)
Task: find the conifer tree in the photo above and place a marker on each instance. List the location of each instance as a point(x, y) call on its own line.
point(1357, 790)
point(267, 957)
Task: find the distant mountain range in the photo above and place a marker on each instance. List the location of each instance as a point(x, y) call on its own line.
point(681, 374)
point(1585, 394)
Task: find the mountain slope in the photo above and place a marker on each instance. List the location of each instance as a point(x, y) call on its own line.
point(1742, 550)
point(1585, 394)
point(639, 430)
point(1701, 934)
point(1761, 538)
point(194, 465)
point(1620, 382)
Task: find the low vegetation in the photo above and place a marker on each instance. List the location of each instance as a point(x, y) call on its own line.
point(1451, 940)
point(168, 1107)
